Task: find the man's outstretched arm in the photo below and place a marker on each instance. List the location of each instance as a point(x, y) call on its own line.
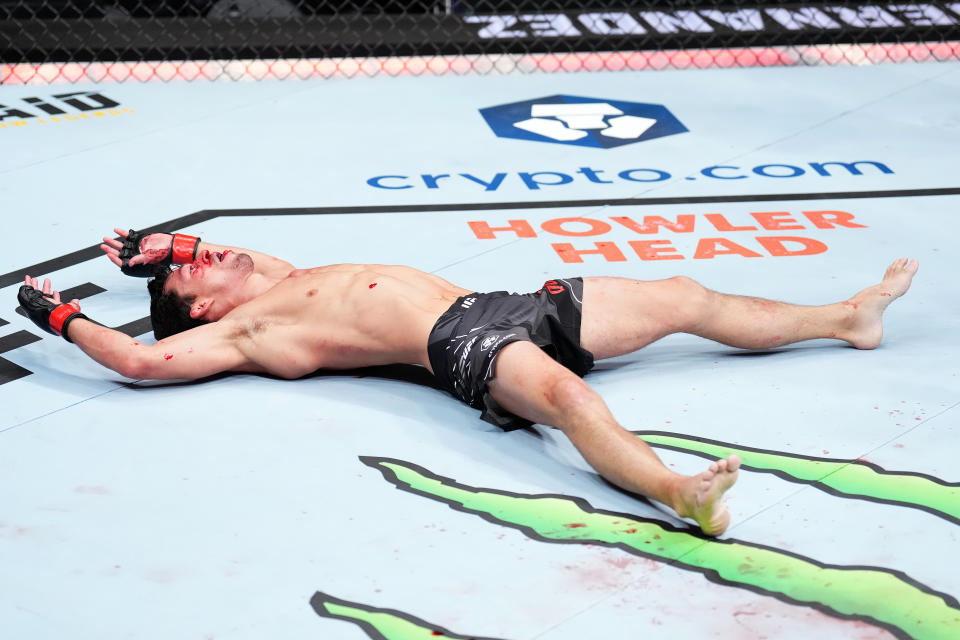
point(140, 255)
point(195, 353)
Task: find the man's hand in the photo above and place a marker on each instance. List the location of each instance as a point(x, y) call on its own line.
point(144, 256)
point(46, 309)
point(138, 255)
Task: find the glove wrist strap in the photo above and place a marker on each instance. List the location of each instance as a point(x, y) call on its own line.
point(184, 248)
point(61, 317)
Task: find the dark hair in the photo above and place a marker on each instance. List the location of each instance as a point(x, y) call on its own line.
point(169, 312)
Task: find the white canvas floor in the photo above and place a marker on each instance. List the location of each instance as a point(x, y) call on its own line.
point(243, 507)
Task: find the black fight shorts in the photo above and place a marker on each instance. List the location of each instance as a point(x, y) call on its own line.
point(466, 339)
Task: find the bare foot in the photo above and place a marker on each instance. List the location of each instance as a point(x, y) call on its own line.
point(701, 497)
point(866, 321)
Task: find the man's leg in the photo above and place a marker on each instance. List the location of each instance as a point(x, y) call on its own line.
point(532, 385)
point(622, 315)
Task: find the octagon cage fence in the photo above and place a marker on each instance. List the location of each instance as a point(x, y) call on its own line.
point(64, 41)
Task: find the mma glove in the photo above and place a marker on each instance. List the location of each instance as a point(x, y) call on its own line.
point(183, 250)
point(52, 317)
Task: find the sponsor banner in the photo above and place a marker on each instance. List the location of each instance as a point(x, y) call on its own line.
point(704, 236)
point(556, 178)
point(59, 108)
point(580, 121)
point(55, 39)
point(602, 123)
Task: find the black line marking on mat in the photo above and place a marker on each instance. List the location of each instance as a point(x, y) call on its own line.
point(81, 291)
point(783, 475)
point(91, 252)
point(135, 328)
point(319, 598)
point(16, 340)
point(713, 576)
point(10, 371)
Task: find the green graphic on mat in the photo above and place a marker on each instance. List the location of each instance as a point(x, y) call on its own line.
point(845, 478)
point(382, 624)
point(883, 597)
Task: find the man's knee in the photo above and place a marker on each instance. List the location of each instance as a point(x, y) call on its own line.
point(570, 395)
point(691, 302)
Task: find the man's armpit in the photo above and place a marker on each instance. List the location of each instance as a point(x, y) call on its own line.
point(247, 328)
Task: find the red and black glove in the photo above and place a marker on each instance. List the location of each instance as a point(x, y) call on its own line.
point(50, 315)
point(183, 250)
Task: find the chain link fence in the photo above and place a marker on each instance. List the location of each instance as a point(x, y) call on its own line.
point(46, 41)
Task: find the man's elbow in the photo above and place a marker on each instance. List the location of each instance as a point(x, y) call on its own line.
point(136, 366)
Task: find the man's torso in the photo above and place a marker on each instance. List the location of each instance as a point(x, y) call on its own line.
point(340, 317)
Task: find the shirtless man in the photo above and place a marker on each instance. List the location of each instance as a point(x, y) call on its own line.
point(519, 359)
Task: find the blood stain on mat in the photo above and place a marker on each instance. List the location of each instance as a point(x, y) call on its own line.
point(92, 490)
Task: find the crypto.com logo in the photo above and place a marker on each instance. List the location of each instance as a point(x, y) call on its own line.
point(585, 122)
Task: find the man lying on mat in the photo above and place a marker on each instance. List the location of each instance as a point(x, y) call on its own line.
point(517, 358)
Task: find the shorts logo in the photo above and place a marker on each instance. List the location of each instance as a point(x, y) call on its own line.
point(467, 302)
point(494, 340)
point(553, 287)
point(585, 122)
point(488, 342)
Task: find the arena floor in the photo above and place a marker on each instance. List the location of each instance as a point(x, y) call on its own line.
point(359, 504)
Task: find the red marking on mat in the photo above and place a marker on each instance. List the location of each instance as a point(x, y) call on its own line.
point(898, 446)
point(575, 525)
point(190, 350)
point(135, 344)
point(92, 490)
point(886, 294)
point(435, 633)
point(167, 356)
point(372, 285)
point(825, 452)
point(619, 562)
point(629, 530)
